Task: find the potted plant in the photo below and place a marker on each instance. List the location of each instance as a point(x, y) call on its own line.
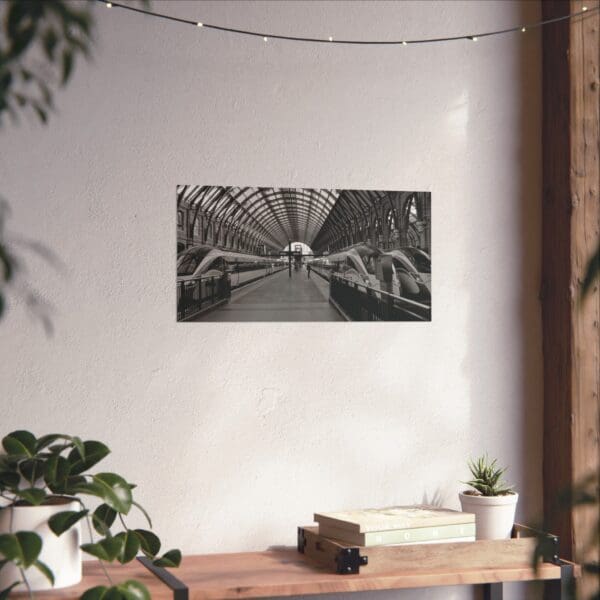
point(43, 484)
point(492, 501)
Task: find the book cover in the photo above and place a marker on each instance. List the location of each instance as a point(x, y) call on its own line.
point(399, 536)
point(393, 517)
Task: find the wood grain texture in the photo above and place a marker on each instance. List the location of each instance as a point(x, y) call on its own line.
point(93, 575)
point(285, 572)
point(483, 554)
point(571, 233)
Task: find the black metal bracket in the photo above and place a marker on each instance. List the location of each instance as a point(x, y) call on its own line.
point(301, 540)
point(548, 543)
point(180, 590)
point(349, 561)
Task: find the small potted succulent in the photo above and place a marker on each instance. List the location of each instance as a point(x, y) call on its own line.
point(491, 500)
point(43, 484)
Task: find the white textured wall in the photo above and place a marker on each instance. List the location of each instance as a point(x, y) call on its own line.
point(235, 433)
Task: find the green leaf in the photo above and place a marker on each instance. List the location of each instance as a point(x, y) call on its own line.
point(134, 590)
point(63, 521)
point(5, 593)
point(56, 473)
point(32, 469)
point(131, 546)
point(107, 549)
point(103, 518)
point(149, 542)
point(115, 491)
point(20, 443)
point(22, 547)
point(172, 558)
point(93, 453)
point(128, 590)
point(46, 440)
point(34, 496)
point(45, 570)
point(95, 593)
point(76, 441)
point(9, 480)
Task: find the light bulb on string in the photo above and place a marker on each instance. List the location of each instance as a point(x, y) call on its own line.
point(474, 38)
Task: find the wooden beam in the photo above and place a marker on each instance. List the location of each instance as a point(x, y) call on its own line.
point(571, 234)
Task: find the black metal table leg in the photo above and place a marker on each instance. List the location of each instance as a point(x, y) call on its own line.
point(492, 591)
point(563, 588)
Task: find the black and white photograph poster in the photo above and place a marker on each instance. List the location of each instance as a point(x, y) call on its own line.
point(302, 254)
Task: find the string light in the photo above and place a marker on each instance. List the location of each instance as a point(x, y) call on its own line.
point(330, 39)
point(265, 39)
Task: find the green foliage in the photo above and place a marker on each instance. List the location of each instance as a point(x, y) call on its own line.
point(37, 471)
point(129, 590)
point(487, 477)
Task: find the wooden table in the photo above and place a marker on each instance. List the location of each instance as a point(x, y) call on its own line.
point(285, 572)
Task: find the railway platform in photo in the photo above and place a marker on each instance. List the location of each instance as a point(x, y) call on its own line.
point(299, 254)
point(278, 298)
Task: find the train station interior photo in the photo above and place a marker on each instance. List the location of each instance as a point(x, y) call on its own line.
point(300, 254)
point(300, 299)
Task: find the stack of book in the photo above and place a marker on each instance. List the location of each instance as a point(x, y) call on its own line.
point(419, 524)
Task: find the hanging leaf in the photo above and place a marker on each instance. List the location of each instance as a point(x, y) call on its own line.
point(114, 490)
point(63, 521)
point(45, 570)
point(107, 549)
point(103, 518)
point(22, 547)
point(5, 593)
point(149, 542)
point(130, 548)
point(172, 558)
point(128, 590)
point(19, 443)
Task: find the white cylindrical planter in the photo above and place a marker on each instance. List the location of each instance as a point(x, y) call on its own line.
point(494, 515)
point(61, 553)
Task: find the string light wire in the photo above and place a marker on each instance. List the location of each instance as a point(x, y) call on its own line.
point(330, 40)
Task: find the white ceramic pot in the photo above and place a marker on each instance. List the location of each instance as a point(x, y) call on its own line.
point(494, 515)
point(61, 553)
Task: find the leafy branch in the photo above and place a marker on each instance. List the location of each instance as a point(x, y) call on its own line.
point(36, 471)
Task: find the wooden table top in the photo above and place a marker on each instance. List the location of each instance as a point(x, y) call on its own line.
point(285, 572)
